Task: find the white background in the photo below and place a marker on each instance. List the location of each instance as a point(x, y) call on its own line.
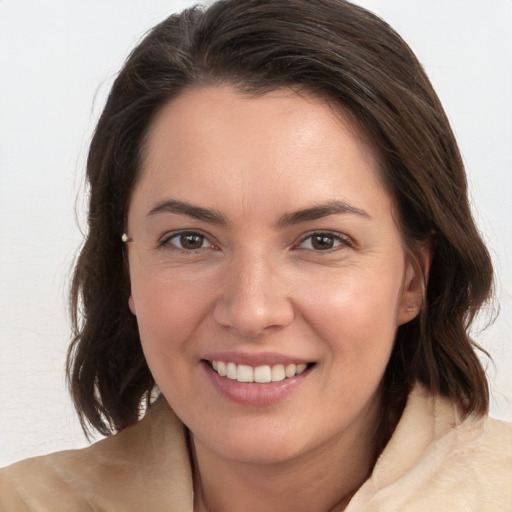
point(57, 61)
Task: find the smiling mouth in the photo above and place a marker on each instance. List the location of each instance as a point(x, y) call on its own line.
point(257, 374)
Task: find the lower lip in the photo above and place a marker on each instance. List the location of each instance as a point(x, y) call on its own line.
point(254, 394)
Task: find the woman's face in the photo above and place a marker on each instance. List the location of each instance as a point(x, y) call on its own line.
point(265, 247)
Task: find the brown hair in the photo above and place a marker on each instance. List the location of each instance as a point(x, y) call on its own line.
point(334, 50)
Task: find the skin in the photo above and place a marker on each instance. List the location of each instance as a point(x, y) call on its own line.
point(259, 283)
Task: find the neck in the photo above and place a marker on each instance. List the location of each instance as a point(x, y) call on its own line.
point(324, 479)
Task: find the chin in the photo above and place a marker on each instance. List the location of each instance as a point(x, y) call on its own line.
point(263, 440)
point(258, 451)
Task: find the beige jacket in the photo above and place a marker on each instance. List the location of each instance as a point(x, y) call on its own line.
point(433, 463)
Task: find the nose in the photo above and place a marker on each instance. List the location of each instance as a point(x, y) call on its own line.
point(254, 298)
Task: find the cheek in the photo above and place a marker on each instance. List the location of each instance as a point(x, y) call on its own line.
point(356, 314)
point(167, 313)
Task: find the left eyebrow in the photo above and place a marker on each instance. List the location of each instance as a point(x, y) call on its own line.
point(320, 211)
point(190, 210)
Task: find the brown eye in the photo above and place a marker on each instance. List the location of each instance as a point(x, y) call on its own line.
point(187, 241)
point(191, 242)
point(324, 242)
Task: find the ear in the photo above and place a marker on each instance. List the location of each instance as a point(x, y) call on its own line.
point(415, 281)
point(131, 305)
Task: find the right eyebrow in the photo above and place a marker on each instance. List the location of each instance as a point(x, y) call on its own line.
point(320, 211)
point(190, 210)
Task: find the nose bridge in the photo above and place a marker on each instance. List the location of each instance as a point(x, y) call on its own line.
point(254, 295)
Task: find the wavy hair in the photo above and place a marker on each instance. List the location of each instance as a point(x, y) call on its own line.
point(332, 49)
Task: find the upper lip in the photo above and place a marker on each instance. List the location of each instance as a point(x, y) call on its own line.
point(255, 359)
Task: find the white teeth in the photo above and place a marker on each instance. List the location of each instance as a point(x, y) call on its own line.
point(262, 374)
point(290, 370)
point(221, 368)
point(231, 371)
point(278, 373)
point(244, 373)
point(300, 368)
point(259, 374)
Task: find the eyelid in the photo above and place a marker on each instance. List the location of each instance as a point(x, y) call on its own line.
point(345, 240)
point(165, 240)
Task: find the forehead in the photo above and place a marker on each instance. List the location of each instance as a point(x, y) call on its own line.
point(212, 144)
point(283, 112)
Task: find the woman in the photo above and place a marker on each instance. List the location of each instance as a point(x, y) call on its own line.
point(273, 301)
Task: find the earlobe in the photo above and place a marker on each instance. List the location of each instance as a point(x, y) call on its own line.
point(415, 283)
point(408, 312)
point(131, 305)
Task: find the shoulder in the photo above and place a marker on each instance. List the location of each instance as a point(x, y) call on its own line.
point(438, 461)
point(470, 468)
point(491, 456)
point(112, 474)
point(467, 463)
point(496, 439)
point(45, 482)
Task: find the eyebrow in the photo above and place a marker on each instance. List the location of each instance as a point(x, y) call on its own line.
point(320, 211)
point(184, 208)
point(215, 217)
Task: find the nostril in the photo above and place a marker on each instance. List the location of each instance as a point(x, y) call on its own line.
point(253, 318)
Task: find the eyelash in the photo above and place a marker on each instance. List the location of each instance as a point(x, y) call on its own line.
point(343, 241)
point(166, 242)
